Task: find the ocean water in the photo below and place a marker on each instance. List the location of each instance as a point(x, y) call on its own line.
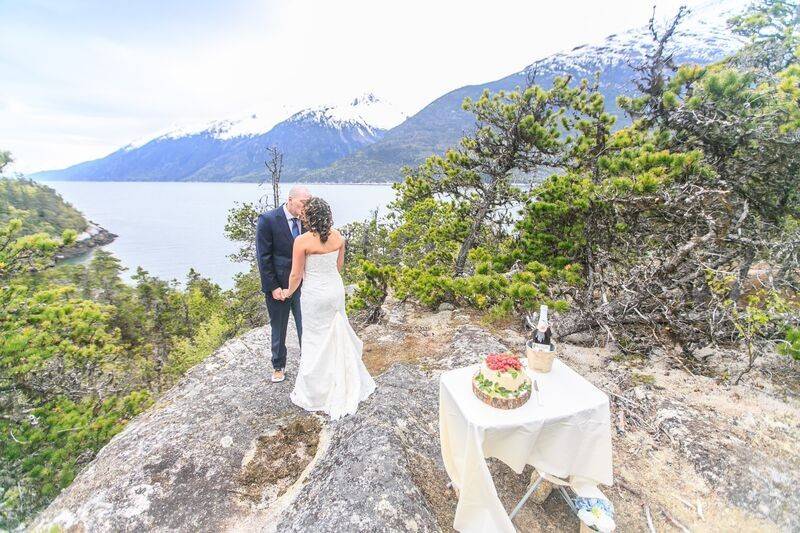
point(167, 228)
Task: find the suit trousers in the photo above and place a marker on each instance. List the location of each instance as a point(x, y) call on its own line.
point(279, 321)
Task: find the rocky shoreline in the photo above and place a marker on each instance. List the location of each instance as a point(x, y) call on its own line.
point(94, 236)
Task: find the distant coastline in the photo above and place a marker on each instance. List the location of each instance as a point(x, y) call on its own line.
point(169, 227)
point(48, 180)
point(93, 237)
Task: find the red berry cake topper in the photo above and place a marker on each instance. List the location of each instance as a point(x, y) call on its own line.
point(503, 362)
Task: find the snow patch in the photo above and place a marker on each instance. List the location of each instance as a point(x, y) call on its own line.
point(702, 35)
point(247, 125)
point(366, 111)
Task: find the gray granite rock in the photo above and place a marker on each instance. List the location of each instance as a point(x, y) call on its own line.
point(368, 479)
point(469, 343)
point(747, 476)
point(395, 313)
point(174, 467)
point(226, 450)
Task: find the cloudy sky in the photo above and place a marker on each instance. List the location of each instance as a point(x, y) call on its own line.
point(80, 78)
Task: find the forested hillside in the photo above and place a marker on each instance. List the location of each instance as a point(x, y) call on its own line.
point(82, 352)
point(40, 208)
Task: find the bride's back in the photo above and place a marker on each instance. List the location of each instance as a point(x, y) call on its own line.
point(323, 288)
point(323, 256)
point(315, 246)
point(322, 263)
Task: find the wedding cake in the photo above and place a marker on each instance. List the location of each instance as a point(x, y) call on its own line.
point(502, 382)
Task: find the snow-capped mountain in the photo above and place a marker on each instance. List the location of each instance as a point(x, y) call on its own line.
point(702, 37)
point(366, 139)
point(234, 149)
point(366, 111)
point(247, 126)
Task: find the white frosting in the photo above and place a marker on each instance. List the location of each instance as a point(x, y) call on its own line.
point(504, 379)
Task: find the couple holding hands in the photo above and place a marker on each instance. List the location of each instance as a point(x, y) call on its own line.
point(296, 244)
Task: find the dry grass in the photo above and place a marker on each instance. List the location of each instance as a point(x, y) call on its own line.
point(378, 357)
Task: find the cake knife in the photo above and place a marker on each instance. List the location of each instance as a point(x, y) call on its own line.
point(538, 393)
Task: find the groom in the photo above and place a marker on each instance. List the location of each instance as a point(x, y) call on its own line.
point(275, 235)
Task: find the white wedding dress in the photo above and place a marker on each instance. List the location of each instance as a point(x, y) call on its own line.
point(331, 377)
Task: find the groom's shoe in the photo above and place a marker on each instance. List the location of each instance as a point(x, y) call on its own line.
point(278, 376)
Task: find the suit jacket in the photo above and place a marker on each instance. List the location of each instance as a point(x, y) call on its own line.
point(274, 242)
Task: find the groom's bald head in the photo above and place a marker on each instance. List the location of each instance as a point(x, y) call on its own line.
point(297, 199)
point(299, 192)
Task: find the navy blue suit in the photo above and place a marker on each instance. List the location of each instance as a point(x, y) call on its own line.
point(274, 242)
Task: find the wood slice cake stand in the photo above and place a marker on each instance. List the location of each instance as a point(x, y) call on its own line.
point(501, 403)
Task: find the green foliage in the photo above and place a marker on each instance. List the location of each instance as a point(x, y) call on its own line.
point(466, 197)
point(791, 344)
point(771, 29)
point(44, 452)
point(245, 308)
point(789, 94)
point(187, 352)
point(761, 316)
point(450, 226)
point(82, 351)
point(26, 253)
point(50, 334)
point(40, 208)
point(552, 229)
point(365, 240)
point(241, 227)
point(619, 236)
point(5, 159)
point(372, 286)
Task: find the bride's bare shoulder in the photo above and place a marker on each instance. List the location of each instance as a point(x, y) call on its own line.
point(303, 240)
point(337, 234)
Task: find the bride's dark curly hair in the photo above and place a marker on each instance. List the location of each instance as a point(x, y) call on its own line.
point(318, 217)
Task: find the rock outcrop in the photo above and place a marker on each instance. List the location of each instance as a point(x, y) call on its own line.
point(175, 465)
point(225, 449)
point(367, 479)
point(93, 237)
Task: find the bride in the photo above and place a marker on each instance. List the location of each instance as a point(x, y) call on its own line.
point(331, 378)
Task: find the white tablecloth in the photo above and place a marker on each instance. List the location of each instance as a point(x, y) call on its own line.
point(569, 436)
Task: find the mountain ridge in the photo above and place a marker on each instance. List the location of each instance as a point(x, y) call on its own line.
point(234, 149)
point(366, 141)
point(702, 37)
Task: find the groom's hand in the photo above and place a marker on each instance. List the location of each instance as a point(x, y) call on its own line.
point(278, 294)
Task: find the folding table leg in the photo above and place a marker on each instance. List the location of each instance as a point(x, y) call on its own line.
point(565, 495)
point(525, 498)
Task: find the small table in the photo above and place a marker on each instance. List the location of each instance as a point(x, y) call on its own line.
point(568, 436)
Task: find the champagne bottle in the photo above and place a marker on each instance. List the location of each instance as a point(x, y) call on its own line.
point(542, 333)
